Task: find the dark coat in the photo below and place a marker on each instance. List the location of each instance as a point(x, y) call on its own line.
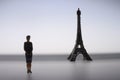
point(28, 47)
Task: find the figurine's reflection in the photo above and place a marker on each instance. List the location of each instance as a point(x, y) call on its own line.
point(29, 77)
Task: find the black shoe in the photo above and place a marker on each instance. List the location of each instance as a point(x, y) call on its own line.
point(30, 71)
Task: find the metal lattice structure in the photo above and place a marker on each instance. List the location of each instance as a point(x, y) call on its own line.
point(79, 46)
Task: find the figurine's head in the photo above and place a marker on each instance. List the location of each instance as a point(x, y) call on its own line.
point(28, 37)
point(78, 12)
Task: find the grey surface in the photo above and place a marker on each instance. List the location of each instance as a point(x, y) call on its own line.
point(59, 57)
point(54, 68)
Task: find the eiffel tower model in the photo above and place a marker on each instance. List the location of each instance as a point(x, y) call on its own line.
point(79, 47)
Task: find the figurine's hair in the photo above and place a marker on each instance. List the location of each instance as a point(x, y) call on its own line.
point(28, 36)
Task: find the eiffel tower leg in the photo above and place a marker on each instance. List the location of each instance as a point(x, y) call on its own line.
point(69, 57)
point(73, 54)
point(85, 55)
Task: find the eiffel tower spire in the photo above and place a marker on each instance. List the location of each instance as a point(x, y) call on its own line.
point(79, 47)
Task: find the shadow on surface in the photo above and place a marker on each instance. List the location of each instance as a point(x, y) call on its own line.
point(58, 57)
